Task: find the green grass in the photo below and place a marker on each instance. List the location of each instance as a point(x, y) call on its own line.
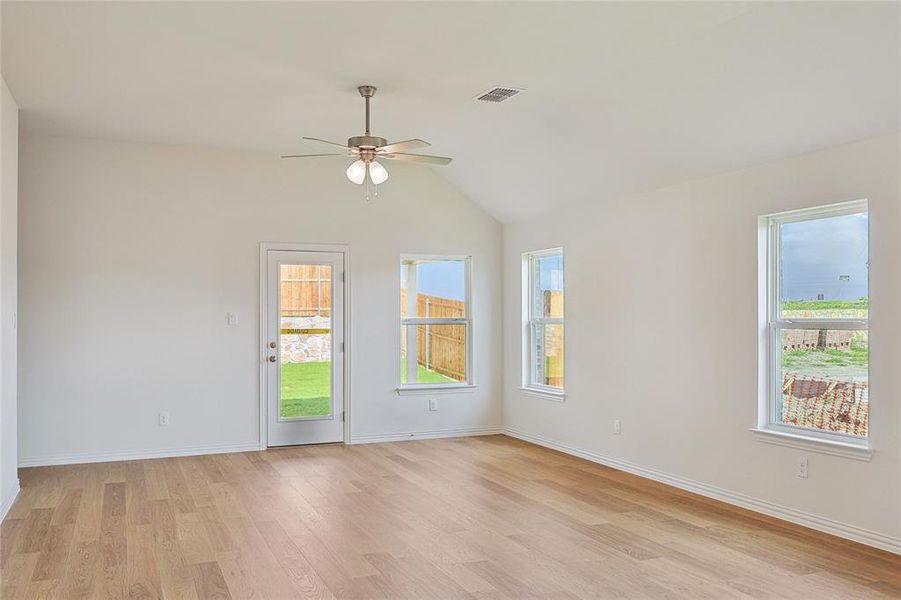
point(423, 375)
point(862, 304)
point(857, 356)
point(554, 366)
point(306, 389)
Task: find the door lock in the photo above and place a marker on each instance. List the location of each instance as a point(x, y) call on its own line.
point(272, 359)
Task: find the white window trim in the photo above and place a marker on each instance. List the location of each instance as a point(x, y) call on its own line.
point(770, 351)
point(548, 394)
point(813, 444)
point(528, 386)
point(434, 388)
point(469, 385)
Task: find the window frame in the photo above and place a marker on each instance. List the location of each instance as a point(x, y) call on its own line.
point(466, 320)
point(773, 323)
point(530, 381)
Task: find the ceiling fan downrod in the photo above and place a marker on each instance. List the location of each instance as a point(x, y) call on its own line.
point(367, 91)
point(366, 143)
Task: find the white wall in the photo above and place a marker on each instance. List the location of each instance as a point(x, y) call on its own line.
point(9, 152)
point(132, 254)
point(662, 333)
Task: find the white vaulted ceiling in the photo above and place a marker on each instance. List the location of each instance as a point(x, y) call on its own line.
point(619, 96)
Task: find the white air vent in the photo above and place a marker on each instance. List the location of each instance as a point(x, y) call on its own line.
point(498, 94)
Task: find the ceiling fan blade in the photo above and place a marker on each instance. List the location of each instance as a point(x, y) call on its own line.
point(309, 155)
point(422, 158)
point(326, 142)
point(402, 146)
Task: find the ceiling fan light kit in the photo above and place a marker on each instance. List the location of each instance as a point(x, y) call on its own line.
point(377, 172)
point(367, 148)
point(356, 172)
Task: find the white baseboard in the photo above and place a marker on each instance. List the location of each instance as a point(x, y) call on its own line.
point(8, 501)
point(842, 530)
point(819, 523)
point(74, 459)
point(425, 435)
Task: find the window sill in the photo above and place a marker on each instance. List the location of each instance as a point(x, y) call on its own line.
point(412, 390)
point(803, 442)
point(546, 394)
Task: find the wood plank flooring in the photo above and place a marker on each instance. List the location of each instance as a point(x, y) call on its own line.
point(487, 517)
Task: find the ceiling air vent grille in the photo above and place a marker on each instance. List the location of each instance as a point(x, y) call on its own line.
point(498, 94)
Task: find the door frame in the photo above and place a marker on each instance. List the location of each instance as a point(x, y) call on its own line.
point(265, 247)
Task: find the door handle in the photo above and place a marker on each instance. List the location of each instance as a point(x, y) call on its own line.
point(272, 359)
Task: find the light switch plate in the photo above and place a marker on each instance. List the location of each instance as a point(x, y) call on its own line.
point(232, 318)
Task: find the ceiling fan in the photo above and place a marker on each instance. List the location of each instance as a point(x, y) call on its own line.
point(369, 149)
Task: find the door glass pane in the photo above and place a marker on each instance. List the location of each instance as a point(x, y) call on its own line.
point(305, 341)
point(824, 271)
point(548, 354)
point(440, 352)
point(825, 380)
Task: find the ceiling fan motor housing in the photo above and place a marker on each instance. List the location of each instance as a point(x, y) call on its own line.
point(366, 145)
point(366, 141)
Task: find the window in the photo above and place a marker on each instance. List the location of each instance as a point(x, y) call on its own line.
point(436, 322)
point(543, 322)
point(817, 333)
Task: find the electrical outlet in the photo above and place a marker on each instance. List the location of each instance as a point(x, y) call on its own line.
point(232, 318)
point(802, 468)
point(164, 419)
point(433, 404)
point(617, 426)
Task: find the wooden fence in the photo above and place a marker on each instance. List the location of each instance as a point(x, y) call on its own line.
point(553, 303)
point(552, 306)
point(440, 348)
point(306, 290)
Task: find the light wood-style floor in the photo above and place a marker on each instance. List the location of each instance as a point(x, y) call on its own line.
point(487, 517)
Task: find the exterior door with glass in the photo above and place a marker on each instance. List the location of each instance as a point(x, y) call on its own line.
point(304, 347)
